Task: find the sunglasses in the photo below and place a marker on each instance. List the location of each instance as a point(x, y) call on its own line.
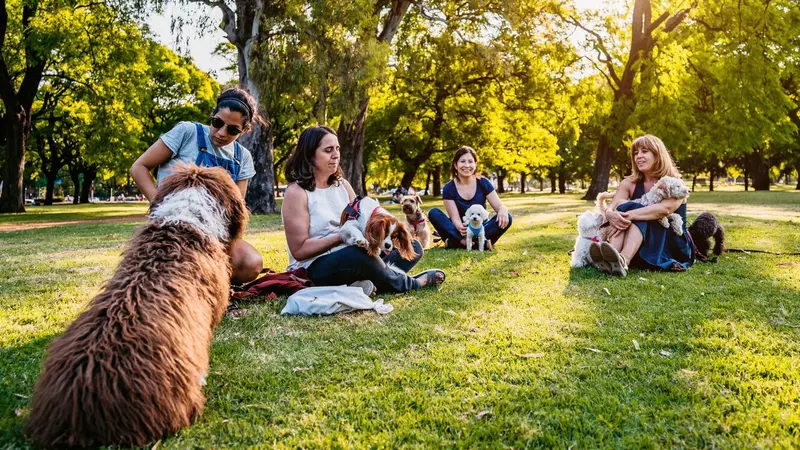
point(218, 123)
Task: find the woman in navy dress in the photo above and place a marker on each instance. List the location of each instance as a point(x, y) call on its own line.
point(467, 188)
point(646, 244)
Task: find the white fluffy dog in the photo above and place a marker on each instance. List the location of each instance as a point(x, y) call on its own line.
point(667, 187)
point(473, 219)
point(589, 230)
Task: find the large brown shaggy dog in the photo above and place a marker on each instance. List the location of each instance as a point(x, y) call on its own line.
point(130, 369)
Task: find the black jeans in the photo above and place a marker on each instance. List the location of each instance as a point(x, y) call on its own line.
point(352, 263)
point(448, 231)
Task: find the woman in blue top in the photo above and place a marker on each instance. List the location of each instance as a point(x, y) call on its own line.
point(210, 146)
point(647, 244)
point(467, 188)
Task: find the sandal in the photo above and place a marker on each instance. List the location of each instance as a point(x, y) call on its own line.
point(430, 277)
point(596, 255)
point(619, 267)
point(233, 310)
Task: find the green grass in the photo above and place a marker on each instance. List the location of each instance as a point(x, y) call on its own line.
point(717, 363)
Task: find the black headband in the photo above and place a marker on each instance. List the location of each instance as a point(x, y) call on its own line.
point(236, 100)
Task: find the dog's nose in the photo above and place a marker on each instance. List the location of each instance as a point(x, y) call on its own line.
point(387, 246)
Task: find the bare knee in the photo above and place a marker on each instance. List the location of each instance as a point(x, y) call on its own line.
point(246, 263)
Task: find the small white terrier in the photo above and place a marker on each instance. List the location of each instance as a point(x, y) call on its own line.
point(589, 230)
point(667, 187)
point(473, 219)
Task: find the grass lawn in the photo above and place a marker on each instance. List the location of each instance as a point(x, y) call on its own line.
point(515, 350)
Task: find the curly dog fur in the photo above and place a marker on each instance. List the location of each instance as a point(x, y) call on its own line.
point(130, 368)
point(702, 230)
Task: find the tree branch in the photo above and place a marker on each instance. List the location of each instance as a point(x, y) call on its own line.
point(393, 20)
point(34, 63)
point(601, 49)
point(228, 18)
point(6, 84)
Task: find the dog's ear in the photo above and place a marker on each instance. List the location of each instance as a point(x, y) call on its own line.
point(418, 200)
point(403, 242)
point(375, 232)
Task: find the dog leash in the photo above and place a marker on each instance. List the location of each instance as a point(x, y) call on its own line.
point(743, 250)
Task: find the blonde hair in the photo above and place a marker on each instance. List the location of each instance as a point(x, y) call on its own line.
point(663, 166)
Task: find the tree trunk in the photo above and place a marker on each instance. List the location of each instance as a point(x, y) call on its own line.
point(711, 174)
point(501, 178)
point(602, 169)
point(12, 199)
point(89, 175)
point(553, 176)
point(760, 168)
point(51, 184)
point(562, 179)
point(408, 177)
point(522, 182)
point(242, 28)
point(260, 197)
point(641, 46)
point(351, 142)
point(746, 179)
point(797, 167)
point(437, 182)
point(428, 183)
point(694, 182)
point(364, 173)
point(351, 133)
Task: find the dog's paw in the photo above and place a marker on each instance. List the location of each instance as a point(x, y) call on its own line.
point(361, 243)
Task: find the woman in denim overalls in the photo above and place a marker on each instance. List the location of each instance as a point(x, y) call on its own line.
point(210, 146)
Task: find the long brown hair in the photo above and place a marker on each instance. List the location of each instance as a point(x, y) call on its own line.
point(664, 166)
point(299, 168)
point(459, 153)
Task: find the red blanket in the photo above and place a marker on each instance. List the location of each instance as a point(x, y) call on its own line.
point(272, 284)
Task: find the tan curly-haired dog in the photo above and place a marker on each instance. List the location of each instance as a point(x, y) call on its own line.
point(130, 369)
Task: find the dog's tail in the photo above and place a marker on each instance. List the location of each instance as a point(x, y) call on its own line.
point(601, 203)
point(719, 240)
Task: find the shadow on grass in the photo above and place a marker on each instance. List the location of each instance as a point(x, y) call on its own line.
point(19, 370)
point(517, 350)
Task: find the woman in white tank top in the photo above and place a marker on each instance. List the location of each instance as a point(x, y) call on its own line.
point(312, 208)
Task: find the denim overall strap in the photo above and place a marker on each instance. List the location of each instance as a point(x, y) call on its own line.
point(201, 137)
point(206, 158)
point(237, 160)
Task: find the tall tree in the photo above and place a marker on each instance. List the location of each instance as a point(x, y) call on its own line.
point(351, 129)
point(242, 23)
point(24, 52)
point(621, 72)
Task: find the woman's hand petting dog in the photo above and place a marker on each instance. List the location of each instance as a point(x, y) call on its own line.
point(462, 228)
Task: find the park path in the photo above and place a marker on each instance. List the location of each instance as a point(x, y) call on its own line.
point(4, 228)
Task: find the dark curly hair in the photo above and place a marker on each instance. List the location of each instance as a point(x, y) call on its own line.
point(299, 168)
point(238, 100)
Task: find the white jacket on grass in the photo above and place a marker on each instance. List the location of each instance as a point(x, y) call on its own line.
point(325, 300)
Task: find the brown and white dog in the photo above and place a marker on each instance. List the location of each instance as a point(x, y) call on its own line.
point(131, 368)
point(366, 224)
point(417, 222)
